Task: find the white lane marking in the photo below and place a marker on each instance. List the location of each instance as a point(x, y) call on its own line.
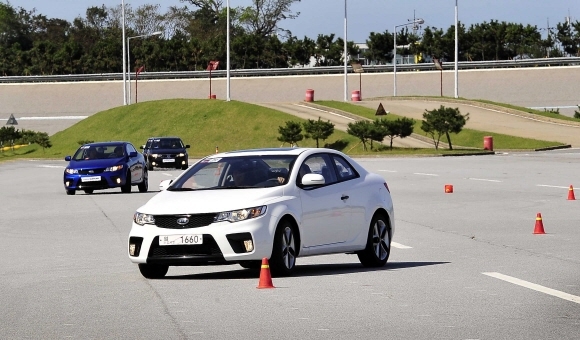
point(388, 170)
point(536, 287)
point(552, 186)
point(423, 174)
point(400, 246)
point(485, 180)
point(332, 113)
point(166, 174)
point(52, 166)
point(49, 118)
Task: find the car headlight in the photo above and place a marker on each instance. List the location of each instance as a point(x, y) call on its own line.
point(181, 155)
point(142, 219)
point(71, 171)
point(114, 168)
point(154, 155)
point(240, 215)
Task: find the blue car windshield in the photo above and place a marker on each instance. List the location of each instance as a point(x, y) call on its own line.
point(101, 151)
point(236, 173)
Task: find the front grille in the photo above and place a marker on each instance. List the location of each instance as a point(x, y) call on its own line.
point(195, 221)
point(94, 185)
point(208, 248)
point(91, 171)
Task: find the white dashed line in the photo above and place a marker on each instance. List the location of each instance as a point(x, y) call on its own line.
point(387, 171)
point(552, 186)
point(332, 113)
point(423, 174)
point(536, 287)
point(485, 180)
point(400, 246)
point(52, 166)
point(166, 174)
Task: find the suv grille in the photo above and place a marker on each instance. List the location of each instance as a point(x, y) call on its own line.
point(195, 221)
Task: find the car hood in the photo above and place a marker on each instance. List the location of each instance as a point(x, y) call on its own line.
point(170, 151)
point(95, 163)
point(206, 201)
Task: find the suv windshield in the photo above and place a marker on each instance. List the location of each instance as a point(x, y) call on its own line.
point(165, 143)
point(236, 172)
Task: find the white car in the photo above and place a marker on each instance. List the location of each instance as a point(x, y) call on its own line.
point(280, 204)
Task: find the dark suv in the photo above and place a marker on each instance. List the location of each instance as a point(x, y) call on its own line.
point(165, 152)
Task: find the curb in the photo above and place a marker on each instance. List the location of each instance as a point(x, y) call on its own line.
point(567, 146)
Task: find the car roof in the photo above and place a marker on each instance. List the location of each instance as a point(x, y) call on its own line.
point(166, 137)
point(272, 151)
point(106, 143)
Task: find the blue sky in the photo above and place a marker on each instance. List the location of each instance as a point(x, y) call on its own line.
point(363, 16)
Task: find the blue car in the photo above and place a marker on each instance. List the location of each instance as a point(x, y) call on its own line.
point(105, 165)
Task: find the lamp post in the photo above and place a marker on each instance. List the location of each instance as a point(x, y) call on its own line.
point(129, 54)
point(124, 53)
point(416, 21)
point(228, 54)
point(345, 57)
point(456, 52)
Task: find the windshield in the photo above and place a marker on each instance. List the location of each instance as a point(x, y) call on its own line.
point(101, 151)
point(166, 143)
point(236, 173)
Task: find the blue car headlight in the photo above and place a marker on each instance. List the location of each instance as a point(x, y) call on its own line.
point(114, 168)
point(240, 215)
point(142, 219)
point(71, 171)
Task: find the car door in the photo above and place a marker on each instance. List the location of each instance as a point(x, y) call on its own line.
point(135, 167)
point(325, 216)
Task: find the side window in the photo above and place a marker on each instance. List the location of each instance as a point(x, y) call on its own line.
point(130, 149)
point(319, 164)
point(344, 170)
point(148, 144)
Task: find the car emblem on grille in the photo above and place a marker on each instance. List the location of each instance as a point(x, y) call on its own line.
point(91, 171)
point(182, 220)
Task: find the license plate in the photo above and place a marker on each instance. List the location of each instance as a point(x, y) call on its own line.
point(169, 161)
point(180, 240)
point(91, 179)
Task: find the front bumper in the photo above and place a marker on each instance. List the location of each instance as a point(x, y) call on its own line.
point(223, 242)
point(168, 161)
point(105, 180)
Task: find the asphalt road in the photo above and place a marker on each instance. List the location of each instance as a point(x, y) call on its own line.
point(465, 265)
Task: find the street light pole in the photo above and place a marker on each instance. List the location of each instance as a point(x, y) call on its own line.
point(456, 51)
point(124, 53)
point(345, 56)
point(415, 21)
point(129, 55)
point(228, 54)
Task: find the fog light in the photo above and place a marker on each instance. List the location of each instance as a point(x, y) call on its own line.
point(118, 181)
point(67, 183)
point(249, 245)
point(132, 249)
point(182, 162)
point(153, 163)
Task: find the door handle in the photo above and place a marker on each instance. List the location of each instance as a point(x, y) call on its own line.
point(344, 197)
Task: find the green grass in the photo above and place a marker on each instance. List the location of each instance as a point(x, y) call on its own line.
point(466, 138)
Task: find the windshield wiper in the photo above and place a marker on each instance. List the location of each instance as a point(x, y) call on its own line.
point(180, 189)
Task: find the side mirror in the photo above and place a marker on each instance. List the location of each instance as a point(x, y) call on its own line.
point(142, 147)
point(187, 146)
point(165, 184)
point(312, 179)
point(133, 154)
point(67, 158)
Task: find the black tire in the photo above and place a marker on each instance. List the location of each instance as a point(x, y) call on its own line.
point(89, 191)
point(153, 271)
point(144, 185)
point(251, 264)
point(283, 259)
point(184, 167)
point(70, 192)
point(127, 187)
point(378, 246)
point(149, 166)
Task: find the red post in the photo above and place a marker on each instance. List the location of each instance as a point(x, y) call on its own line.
point(136, 76)
point(213, 65)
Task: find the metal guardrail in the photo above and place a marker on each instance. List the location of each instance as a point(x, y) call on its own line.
point(464, 65)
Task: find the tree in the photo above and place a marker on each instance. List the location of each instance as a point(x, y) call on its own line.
point(442, 121)
point(377, 132)
point(317, 129)
point(291, 133)
point(263, 17)
point(362, 130)
point(43, 140)
point(401, 127)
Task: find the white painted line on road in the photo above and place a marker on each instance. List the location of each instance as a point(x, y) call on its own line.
point(536, 287)
point(166, 174)
point(52, 166)
point(387, 170)
point(400, 246)
point(317, 109)
point(49, 118)
point(423, 174)
point(552, 186)
point(485, 180)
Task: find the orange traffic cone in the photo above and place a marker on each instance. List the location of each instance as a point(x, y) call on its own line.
point(539, 229)
point(265, 277)
point(448, 188)
point(571, 196)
